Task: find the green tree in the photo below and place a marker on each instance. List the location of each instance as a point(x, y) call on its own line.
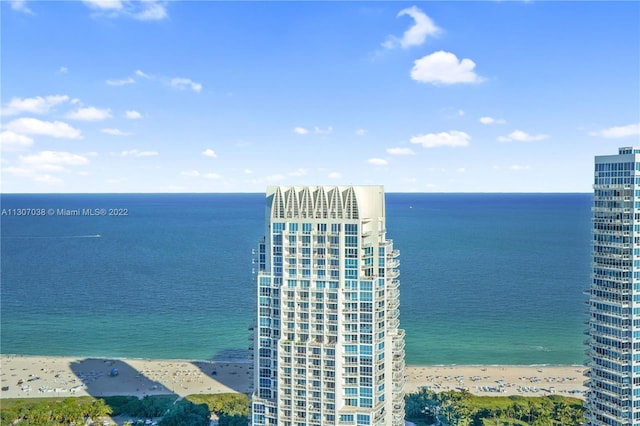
point(233, 420)
point(99, 408)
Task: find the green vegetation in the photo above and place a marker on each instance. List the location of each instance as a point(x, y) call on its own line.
point(230, 404)
point(186, 413)
point(232, 409)
point(465, 409)
point(149, 406)
point(52, 411)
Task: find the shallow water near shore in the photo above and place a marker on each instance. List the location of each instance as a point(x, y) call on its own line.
point(485, 278)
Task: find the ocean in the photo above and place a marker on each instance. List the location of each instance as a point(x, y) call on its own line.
point(485, 278)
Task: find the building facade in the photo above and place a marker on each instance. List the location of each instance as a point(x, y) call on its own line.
point(613, 396)
point(327, 345)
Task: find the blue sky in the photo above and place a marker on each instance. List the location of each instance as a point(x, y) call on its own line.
point(122, 96)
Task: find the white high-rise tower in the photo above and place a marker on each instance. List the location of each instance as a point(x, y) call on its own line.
point(327, 347)
point(613, 396)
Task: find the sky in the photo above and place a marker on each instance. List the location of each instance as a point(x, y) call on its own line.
point(111, 96)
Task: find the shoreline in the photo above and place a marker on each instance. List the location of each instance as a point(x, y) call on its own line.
point(36, 376)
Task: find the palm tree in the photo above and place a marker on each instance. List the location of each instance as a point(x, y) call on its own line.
point(99, 408)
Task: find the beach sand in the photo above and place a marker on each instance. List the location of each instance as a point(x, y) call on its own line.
point(43, 376)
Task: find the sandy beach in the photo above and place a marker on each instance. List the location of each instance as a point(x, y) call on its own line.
point(42, 376)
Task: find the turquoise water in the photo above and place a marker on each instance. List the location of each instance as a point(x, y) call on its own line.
point(485, 278)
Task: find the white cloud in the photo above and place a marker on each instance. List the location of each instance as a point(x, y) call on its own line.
point(335, 175)
point(63, 70)
point(378, 161)
point(211, 176)
point(154, 11)
point(461, 170)
point(11, 141)
point(121, 82)
point(53, 160)
point(248, 171)
point(453, 138)
point(185, 83)
point(115, 132)
point(33, 126)
point(146, 10)
point(361, 132)
point(133, 115)
point(137, 153)
point(518, 167)
point(90, 114)
point(320, 131)
point(460, 112)
point(104, 4)
point(491, 120)
point(180, 83)
point(20, 6)
point(300, 130)
point(190, 173)
point(444, 68)
point(209, 153)
point(416, 35)
point(299, 172)
point(400, 151)
point(37, 105)
point(140, 73)
point(33, 174)
point(618, 131)
point(520, 136)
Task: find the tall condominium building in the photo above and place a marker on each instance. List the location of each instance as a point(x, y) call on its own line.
point(613, 396)
point(327, 347)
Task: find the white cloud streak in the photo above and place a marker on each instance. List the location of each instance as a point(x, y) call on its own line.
point(137, 153)
point(443, 68)
point(57, 159)
point(185, 83)
point(415, 35)
point(209, 153)
point(491, 120)
point(520, 136)
point(326, 131)
point(115, 132)
point(11, 141)
point(33, 126)
point(90, 114)
point(618, 131)
point(378, 161)
point(146, 10)
point(121, 82)
point(37, 105)
point(133, 115)
point(400, 151)
point(21, 6)
point(300, 131)
point(104, 4)
point(453, 138)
